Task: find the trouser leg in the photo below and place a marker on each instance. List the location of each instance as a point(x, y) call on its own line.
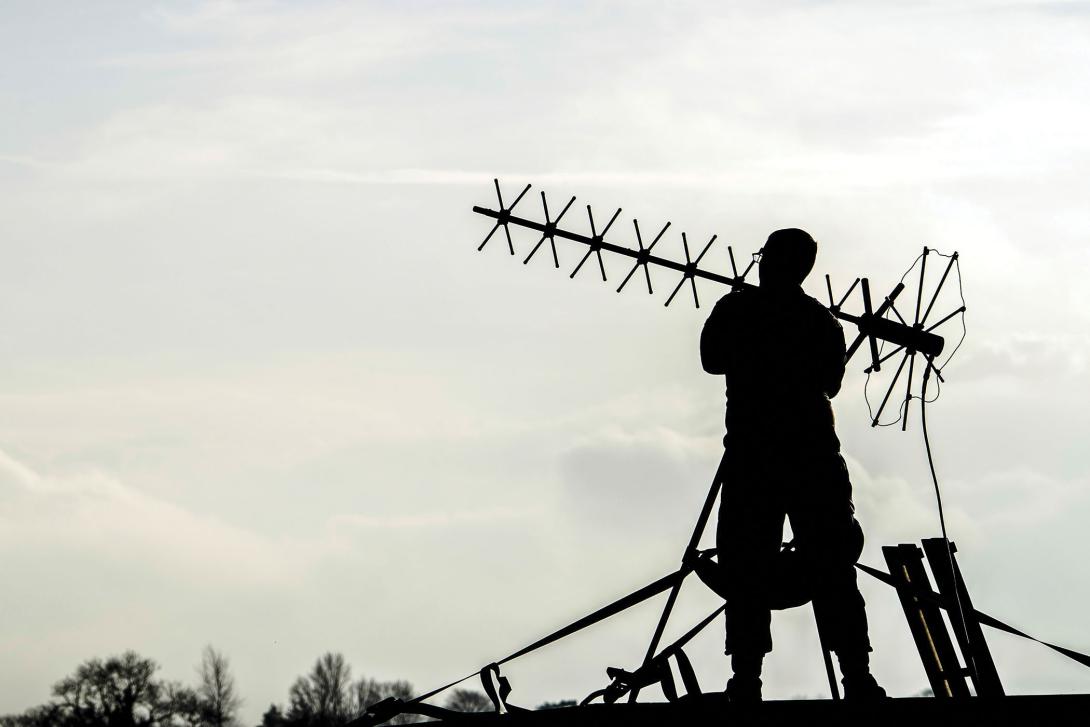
point(841, 611)
point(822, 520)
point(748, 537)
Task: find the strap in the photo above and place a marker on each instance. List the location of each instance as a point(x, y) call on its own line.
point(980, 616)
point(498, 697)
point(661, 667)
point(374, 716)
point(670, 582)
point(651, 589)
point(656, 671)
point(499, 694)
point(688, 674)
point(603, 692)
point(392, 706)
point(688, 635)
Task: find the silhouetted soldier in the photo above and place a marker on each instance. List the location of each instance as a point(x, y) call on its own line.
point(783, 356)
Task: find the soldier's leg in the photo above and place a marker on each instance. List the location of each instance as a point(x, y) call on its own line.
point(822, 520)
point(748, 537)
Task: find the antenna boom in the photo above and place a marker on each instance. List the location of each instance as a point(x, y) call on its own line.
point(872, 324)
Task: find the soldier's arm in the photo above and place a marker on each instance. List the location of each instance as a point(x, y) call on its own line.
point(714, 336)
point(834, 356)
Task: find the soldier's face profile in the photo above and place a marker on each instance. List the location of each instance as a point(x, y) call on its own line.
point(770, 265)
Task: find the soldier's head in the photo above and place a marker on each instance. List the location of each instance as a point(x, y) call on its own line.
point(787, 258)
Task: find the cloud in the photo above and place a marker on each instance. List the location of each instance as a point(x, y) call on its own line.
point(893, 510)
point(1019, 355)
point(95, 565)
point(269, 105)
point(324, 41)
point(101, 522)
point(646, 480)
point(421, 521)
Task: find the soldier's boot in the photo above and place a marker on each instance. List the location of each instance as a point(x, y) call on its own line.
point(745, 686)
point(859, 684)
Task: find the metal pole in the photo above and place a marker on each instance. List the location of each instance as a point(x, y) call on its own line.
point(694, 541)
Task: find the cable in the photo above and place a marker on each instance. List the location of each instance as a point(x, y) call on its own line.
point(902, 408)
point(902, 411)
point(969, 661)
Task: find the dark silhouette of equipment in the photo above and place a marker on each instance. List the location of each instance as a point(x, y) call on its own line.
point(877, 325)
point(966, 690)
point(923, 609)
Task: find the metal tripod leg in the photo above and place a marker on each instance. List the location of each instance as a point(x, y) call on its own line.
point(694, 541)
point(827, 657)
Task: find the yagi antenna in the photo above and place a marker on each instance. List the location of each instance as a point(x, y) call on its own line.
point(882, 322)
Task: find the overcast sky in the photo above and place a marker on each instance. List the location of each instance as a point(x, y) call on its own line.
point(258, 390)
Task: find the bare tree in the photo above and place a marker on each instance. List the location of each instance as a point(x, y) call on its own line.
point(327, 697)
point(219, 700)
point(469, 700)
point(323, 698)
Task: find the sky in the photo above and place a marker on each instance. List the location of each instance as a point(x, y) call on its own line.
point(258, 389)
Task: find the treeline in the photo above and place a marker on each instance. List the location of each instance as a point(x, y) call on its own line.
point(124, 691)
